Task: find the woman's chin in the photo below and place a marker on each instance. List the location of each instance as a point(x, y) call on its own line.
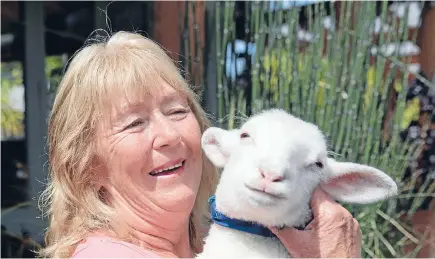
point(179, 199)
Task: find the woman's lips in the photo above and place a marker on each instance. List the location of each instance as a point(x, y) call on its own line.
point(170, 170)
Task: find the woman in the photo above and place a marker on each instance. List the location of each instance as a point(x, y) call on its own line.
point(127, 174)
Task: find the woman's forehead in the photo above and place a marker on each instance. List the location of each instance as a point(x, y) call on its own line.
point(161, 96)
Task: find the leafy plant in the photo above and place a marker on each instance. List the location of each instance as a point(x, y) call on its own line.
point(357, 99)
point(11, 119)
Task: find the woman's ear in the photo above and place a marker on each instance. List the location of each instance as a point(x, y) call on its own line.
point(217, 145)
point(357, 183)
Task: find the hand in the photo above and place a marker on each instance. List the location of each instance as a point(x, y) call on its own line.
point(333, 232)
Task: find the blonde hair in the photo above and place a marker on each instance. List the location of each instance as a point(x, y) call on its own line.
point(123, 63)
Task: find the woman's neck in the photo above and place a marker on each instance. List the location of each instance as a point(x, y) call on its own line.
point(165, 233)
point(164, 242)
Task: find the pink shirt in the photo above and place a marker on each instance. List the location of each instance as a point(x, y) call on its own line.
point(106, 247)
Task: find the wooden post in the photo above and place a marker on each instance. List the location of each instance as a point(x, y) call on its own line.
point(426, 41)
point(166, 27)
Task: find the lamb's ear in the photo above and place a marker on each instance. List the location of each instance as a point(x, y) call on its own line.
point(216, 144)
point(357, 183)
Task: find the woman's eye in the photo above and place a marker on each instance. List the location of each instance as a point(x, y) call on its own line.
point(179, 113)
point(135, 124)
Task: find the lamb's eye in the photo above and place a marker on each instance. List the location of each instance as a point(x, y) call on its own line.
point(319, 164)
point(244, 135)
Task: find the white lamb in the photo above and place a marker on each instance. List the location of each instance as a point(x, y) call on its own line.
point(271, 166)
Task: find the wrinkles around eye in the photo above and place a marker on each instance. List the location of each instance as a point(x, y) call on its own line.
point(178, 113)
point(134, 124)
point(130, 123)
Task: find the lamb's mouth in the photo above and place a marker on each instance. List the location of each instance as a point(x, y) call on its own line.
point(264, 192)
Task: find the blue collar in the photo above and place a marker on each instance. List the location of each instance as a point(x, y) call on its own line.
point(237, 224)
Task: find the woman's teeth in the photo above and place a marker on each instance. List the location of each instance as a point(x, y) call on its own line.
point(156, 172)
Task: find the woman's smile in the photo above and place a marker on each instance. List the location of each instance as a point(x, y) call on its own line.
point(170, 169)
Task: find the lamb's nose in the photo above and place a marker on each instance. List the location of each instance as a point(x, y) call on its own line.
point(271, 176)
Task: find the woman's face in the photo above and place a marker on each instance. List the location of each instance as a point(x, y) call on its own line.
point(151, 154)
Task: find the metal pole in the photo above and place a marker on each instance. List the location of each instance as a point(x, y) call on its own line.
point(36, 99)
point(36, 111)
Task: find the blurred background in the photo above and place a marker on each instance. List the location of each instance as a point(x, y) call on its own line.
point(363, 71)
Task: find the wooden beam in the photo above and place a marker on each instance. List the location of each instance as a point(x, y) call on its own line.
point(166, 28)
point(426, 41)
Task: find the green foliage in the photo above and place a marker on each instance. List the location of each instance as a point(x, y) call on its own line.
point(339, 90)
point(11, 119)
point(53, 70)
point(53, 63)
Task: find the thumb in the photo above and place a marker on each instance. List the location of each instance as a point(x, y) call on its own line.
point(292, 238)
point(319, 199)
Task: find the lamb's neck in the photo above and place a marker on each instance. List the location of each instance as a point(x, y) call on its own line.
point(239, 234)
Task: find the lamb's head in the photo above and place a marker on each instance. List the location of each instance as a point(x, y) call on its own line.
point(273, 162)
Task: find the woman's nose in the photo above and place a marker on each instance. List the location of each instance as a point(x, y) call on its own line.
point(165, 134)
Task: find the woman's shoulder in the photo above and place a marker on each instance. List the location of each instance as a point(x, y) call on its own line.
point(107, 247)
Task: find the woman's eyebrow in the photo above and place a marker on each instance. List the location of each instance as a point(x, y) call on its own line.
point(173, 97)
point(125, 110)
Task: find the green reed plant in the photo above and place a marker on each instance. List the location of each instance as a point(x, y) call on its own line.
point(338, 90)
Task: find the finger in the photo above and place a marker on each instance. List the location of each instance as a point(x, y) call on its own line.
point(320, 198)
point(286, 233)
point(357, 230)
point(311, 225)
point(292, 238)
point(358, 239)
point(279, 230)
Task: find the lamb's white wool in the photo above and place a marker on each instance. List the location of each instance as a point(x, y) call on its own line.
point(271, 166)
